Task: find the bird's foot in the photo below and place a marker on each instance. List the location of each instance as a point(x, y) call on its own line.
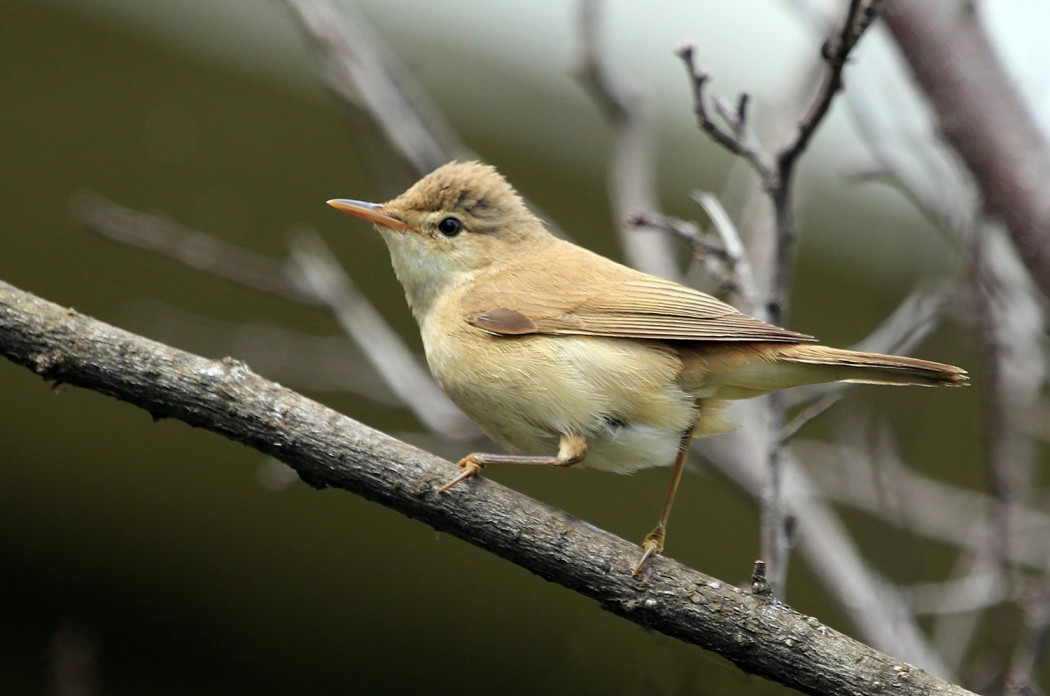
point(471, 468)
point(653, 544)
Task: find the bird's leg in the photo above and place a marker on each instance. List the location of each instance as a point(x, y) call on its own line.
point(654, 540)
point(572, 448)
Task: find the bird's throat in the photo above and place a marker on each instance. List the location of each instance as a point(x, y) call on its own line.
point(423, 274)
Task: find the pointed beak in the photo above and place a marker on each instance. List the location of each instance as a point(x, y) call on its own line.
point(373, 212)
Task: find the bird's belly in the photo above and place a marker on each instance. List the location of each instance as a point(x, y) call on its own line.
point(631, 447)
point(526, 391)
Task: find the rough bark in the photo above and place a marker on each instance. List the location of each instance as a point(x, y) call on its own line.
point(757, 633)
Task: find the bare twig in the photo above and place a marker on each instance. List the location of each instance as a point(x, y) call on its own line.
point(899, 496)
point(954, 632)
point(859, 16)
point(616, 104)
point(874, 605)
point(858, 19)
point(1001, 304)
point(907, 325)
point(725, 260)
point(327, 449)
point(777, 175)
point(683, 229)
point(734, 135)
point(194, 249)
point(363, 72)
point(954, 62)
point(396, 364)
point(632, 185)
point(711, 255)
point(735, 253)
point(313, 278)
point(312, 363)
point(1030, 654)
point(911, 321)
point(1009, 330)
point(807, 415)
point(977, 590)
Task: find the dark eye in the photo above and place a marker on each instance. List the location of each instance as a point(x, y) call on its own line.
point(450, 227)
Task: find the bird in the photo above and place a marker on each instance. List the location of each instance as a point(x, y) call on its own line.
point(567, 358)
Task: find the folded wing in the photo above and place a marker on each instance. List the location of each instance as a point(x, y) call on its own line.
point(609, 299)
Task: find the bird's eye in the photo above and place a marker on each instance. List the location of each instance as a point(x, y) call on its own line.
point(450, 226)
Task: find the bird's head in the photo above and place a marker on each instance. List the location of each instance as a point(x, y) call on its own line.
point(460, 220)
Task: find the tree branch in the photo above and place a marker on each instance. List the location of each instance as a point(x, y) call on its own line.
point(632, 175)
point(982, 116)
point(362, 71)
point(859, 16)
point(777, 175)
point(328, 449)
point(312, 276)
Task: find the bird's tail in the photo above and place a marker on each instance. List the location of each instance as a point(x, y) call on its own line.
point(840, 365)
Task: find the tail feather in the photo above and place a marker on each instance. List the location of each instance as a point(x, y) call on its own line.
point(873, 368)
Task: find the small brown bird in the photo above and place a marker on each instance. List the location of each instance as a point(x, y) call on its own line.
point(567, 358)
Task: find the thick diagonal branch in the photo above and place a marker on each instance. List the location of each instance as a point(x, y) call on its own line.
point(328, 449)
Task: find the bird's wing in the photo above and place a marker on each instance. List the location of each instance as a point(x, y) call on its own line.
point(598, 297)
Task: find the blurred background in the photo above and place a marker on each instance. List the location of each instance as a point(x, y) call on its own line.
point(143, 557)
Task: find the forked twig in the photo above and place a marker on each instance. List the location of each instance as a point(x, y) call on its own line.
point(776, 173)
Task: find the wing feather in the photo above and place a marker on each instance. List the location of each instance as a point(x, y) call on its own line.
point(594, 296)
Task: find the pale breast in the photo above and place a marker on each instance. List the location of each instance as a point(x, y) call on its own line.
point(525, 391)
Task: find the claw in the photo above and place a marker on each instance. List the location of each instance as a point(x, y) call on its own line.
point(471, 468)
point(653, 544)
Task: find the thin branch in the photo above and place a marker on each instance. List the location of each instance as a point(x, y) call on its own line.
point(775, 519)
point(685, 230)
point(327, 449)
point(313, 277)
point(978, 590)
point(983, 116)
point(954, 634)
point(1007, 448)
point(995, 288)
point(386, 352)
point(859, 16)
point(712, 256)
point(734, 136)
point(361, 70)
point(910, 322)
point(890, 491)
point(777, 173)
point(632, 185)
point(1008, 326)
point(194, 249)
point(873, 604)
point(365, 74)
point(809, 414)
point(589, 70)
point(725, 260)
point(735, 252)
point(777, 176)
point(1030, 654)
point(914, 319)
point(307, 362)
point(858, 19)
